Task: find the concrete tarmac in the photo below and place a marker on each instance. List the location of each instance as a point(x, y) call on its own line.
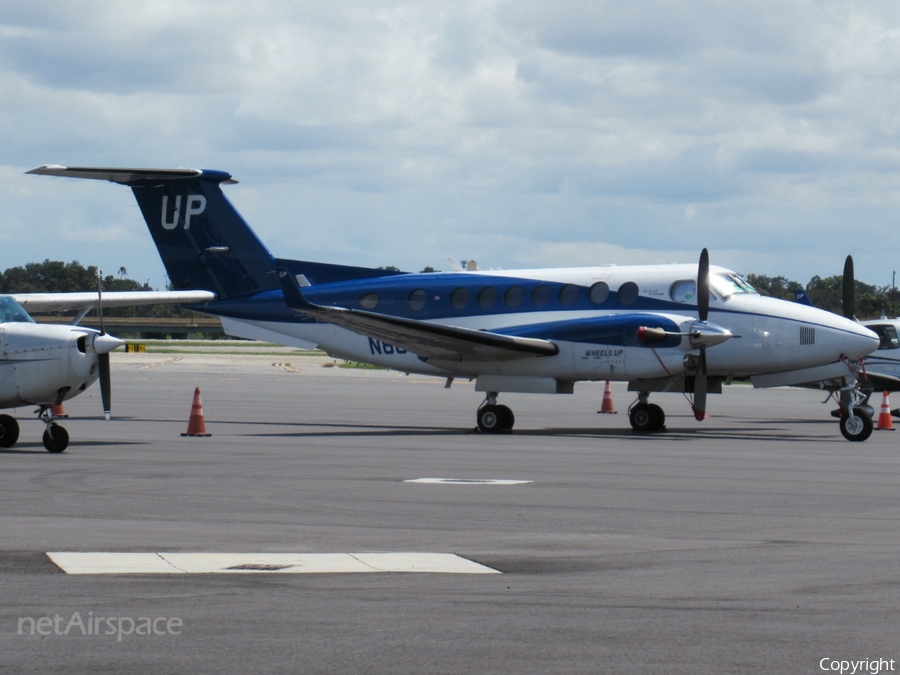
point(758, 541)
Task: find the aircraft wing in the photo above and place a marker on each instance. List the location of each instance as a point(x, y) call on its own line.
point(49, 302)
point(427, 340)
point(882, 381)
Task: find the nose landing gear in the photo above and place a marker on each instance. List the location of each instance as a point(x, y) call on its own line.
point(55, 438)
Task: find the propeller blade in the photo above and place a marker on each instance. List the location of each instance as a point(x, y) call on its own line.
point(100, 299)
point(849, 291)
point(700, 388)
point(105, 385)
point(703, 286)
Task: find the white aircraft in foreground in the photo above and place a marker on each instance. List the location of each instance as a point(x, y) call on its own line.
point(44, 365)
point(661, 328)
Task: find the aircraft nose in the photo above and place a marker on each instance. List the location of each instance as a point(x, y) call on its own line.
point(860, 342)
point(103, 344)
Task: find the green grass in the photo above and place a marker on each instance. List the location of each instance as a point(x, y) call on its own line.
point(359, 365)
point(220, 347)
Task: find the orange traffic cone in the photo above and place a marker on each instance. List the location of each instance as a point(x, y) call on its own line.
point(884, 418)
point(607, 405)
point(56, 410)
point(196, 425)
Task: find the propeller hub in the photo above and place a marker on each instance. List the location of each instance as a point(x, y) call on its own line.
point(705, 334)
point(104, 344)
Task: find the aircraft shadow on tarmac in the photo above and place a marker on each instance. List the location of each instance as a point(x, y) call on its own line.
point(744, 430)
point(38, 448)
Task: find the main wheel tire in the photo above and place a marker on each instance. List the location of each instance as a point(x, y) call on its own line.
point(641, 417)
point(857, 428)
point(644, 417)
point(508, 419)
point(660, 416)
point(56, 439)
point(9, 431)
point(491, 419)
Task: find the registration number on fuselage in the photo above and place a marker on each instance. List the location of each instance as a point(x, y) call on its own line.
point(379, 347)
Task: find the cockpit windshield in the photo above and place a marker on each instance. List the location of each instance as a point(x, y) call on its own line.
point(12, 312)
point(728, 284)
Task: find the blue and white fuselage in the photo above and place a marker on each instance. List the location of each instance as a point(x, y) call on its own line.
point(583, 311)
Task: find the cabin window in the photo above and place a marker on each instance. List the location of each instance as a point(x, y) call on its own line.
point(459, 298)
point(541, 295)
point(487, 296)
point(628, 292)
point(683, 291)
point(599, 292)
point(416, 299)
point(514, 296)
point(568, 294)
point(727, 284)
point(368, 301)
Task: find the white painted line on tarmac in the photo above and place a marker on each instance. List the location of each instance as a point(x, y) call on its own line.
point(468, 481)
point(269, 563)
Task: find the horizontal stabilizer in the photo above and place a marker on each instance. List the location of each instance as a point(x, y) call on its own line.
point(125, 176)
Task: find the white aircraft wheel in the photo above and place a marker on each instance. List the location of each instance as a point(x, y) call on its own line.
point(9, 431)
point(56, 439)
point(490, 419)
point(857, 428)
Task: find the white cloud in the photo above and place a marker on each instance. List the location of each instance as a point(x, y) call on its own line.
point(519, 133)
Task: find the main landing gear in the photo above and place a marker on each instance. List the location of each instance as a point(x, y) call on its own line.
point(493, 418)
point(55, 438)
point(644, 416)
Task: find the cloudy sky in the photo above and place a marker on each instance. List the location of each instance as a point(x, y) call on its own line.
point(520, 133)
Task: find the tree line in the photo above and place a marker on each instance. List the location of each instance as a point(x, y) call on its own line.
point(827, 293)
point(52, 276)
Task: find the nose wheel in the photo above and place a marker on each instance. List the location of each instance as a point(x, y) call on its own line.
point(55, 438)
point(856, 427)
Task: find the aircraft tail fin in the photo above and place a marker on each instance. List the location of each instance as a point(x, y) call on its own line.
point(203, 241)
point(801, 297)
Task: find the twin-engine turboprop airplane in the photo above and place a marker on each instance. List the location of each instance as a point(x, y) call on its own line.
point(680, 328)
point(44, 365)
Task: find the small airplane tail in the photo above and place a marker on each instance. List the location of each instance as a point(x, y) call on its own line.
point(203, 241)
point(801, 297)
